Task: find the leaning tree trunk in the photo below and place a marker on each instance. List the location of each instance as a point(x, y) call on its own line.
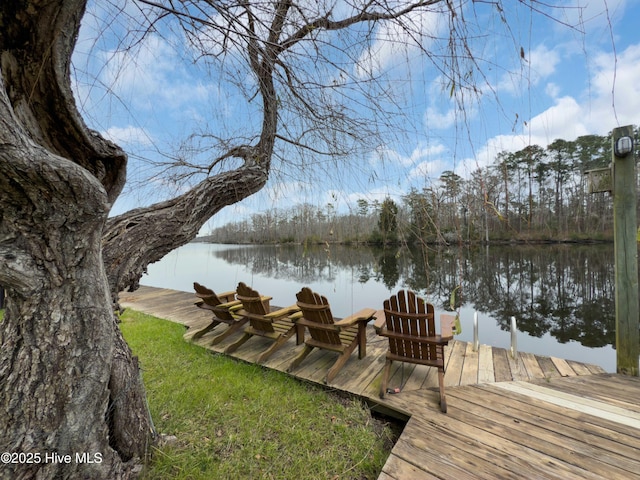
point(71, 400)
point(168, 225)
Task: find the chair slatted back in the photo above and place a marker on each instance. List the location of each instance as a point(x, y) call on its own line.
point(407, 314)
point(206, 294)
point(255, 308)
point(212, 301)
point(315, 308)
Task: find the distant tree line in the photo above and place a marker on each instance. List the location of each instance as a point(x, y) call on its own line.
point(534, 194)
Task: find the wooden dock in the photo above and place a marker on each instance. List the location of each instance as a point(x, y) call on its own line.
point(529, 417)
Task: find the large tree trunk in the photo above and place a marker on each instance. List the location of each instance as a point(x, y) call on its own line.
point(64, 367)
point(165, 226)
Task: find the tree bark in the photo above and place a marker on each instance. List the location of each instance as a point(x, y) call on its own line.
point(64, 367)
point(167, 225)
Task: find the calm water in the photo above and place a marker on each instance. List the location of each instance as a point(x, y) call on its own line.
point(561, 296)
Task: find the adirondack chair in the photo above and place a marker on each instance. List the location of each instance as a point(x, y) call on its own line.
point(276, 325)
point(340, 336)
point(223, 307)
point(410, 327)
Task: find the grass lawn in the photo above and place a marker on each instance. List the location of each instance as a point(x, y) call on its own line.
point(239, 421)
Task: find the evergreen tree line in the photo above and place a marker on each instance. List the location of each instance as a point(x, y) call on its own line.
point(535, 194)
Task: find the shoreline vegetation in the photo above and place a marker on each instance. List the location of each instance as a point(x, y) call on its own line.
point(535, 195)
point(228, 419)
point(512, 241)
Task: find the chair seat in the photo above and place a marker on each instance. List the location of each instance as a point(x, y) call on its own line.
point(277, 325)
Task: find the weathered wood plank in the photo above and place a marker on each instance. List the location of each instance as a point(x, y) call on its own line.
point(397, 468)
point(607, 434)
point(612, 388)
point(456, 362)
point(485, 449)
point(418, 376)
point(548, 367)
point(532, 429)
point(501, 366)
point(486, 374)
point(516, 365)
point(440, 460)
point(469, 374)
point(579, 368)
point(531, 365)
point(586, 405)
point(563, 367)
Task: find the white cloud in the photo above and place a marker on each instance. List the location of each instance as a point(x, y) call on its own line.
point(542, 63)
point(433, 119)
point(562, 120)
point(128, 136)
point(420, 154)
point(425, 172)
point(153, 77)
point(613, 100)
point(615, 90)
point(537, 65)
point(552, 89)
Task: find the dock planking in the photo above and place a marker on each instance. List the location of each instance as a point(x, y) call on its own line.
point(532, 416)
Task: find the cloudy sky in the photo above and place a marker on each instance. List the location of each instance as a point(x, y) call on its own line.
point(541, 80)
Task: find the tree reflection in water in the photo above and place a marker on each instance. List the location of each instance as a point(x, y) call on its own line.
point(562, 296)
point(564, 290)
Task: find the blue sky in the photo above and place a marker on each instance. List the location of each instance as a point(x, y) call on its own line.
point(571, 82)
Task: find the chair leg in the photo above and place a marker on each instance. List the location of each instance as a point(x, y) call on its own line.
point(276, 345)
point(234, 346)
point(298, 360)
point(362, 340)
point(385, 378)
point(299, 334)
point(342, 359)
point(333, 371)
point(443, 399)
point(207, 329)
point(233, 328)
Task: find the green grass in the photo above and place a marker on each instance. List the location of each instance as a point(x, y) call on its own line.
point(239, 421)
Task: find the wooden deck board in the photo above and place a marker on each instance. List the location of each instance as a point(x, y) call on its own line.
point(469, 374)
point(486, 371)
point(547, 428)
point(532, 416)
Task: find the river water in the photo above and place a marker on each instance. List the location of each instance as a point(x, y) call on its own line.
point(561, 296)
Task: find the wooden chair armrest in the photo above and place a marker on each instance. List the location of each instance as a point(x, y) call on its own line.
point(447, 322)
point(230, 305)
point(204, 305)
point(296, 316)
point(283, 312)
point(227, 296)
point(380, 322)
point(362, 315)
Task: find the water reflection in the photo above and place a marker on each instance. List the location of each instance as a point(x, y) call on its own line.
point(566, 291)
point(562, 296)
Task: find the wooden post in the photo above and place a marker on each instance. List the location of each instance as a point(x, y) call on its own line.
point(625, 226)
